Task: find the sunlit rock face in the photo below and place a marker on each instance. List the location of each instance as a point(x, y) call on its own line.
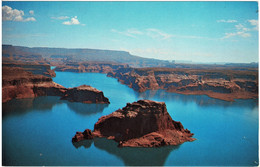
point(144, 123)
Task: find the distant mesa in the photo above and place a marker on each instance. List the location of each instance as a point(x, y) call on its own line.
point(144, 123)
point(62, 55)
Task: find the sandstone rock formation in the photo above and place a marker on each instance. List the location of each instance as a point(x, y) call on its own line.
point(217, 83)
point(18, 83)
point(87, 134)
point(85, 94)
point(95, 67)
point(143, 123)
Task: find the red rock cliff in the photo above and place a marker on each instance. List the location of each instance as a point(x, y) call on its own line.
point(143, 123)
point(217, 83)
point(18, 83)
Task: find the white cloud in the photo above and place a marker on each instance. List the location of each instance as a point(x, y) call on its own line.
point(254, 23)
point(9, 14)
point(30, 19)
point(130, 33)
point(243, 31)
point(151, 32)
point(239, 33)
point(155, 33)
point(240, 27)
point(244, 34)
point(134, 31)
point(73, 21)
point(60, 18)
point(226, 21)
point(31, 12)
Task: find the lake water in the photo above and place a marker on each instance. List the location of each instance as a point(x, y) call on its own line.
point(39, 131)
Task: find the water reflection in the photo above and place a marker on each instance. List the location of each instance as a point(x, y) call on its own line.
point(84, 143)
point(23, 106)
point(46, 103)
point(85, 109)
point(201, 100)
point(132, 156)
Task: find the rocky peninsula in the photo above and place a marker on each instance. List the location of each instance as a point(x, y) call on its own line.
point(20, 82)
point(143, 123)
point(225, 84)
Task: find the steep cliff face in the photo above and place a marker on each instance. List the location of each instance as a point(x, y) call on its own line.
point(143, 123)
point(18, 83)
point(222, 84)
point(36, 69)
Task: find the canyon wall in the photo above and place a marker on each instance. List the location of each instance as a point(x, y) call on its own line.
point(221, 84)
point(96, 67)
point(226, 83)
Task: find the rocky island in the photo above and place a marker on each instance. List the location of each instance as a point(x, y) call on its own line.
point(143, 123)
point(85, 94)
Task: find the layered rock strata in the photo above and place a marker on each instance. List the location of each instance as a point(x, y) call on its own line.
point(222, 84)
point(18, 83)
point(143, 123)
point(95, 67)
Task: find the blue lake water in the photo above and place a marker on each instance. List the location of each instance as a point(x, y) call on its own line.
point(39, 131)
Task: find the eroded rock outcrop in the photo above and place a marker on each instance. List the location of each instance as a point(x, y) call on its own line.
point(95, 67)
point(143, 123)
point(217, 83)
point(85, 94)
point(87, 134)
point(18, 84)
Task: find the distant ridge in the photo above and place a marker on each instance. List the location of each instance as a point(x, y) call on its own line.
point(82, 54)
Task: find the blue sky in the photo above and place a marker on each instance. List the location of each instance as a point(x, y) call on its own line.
point(196, 31)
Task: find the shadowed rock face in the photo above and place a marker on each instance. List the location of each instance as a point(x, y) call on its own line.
point(85, 94)
point(87, 134)
point(143, 123)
